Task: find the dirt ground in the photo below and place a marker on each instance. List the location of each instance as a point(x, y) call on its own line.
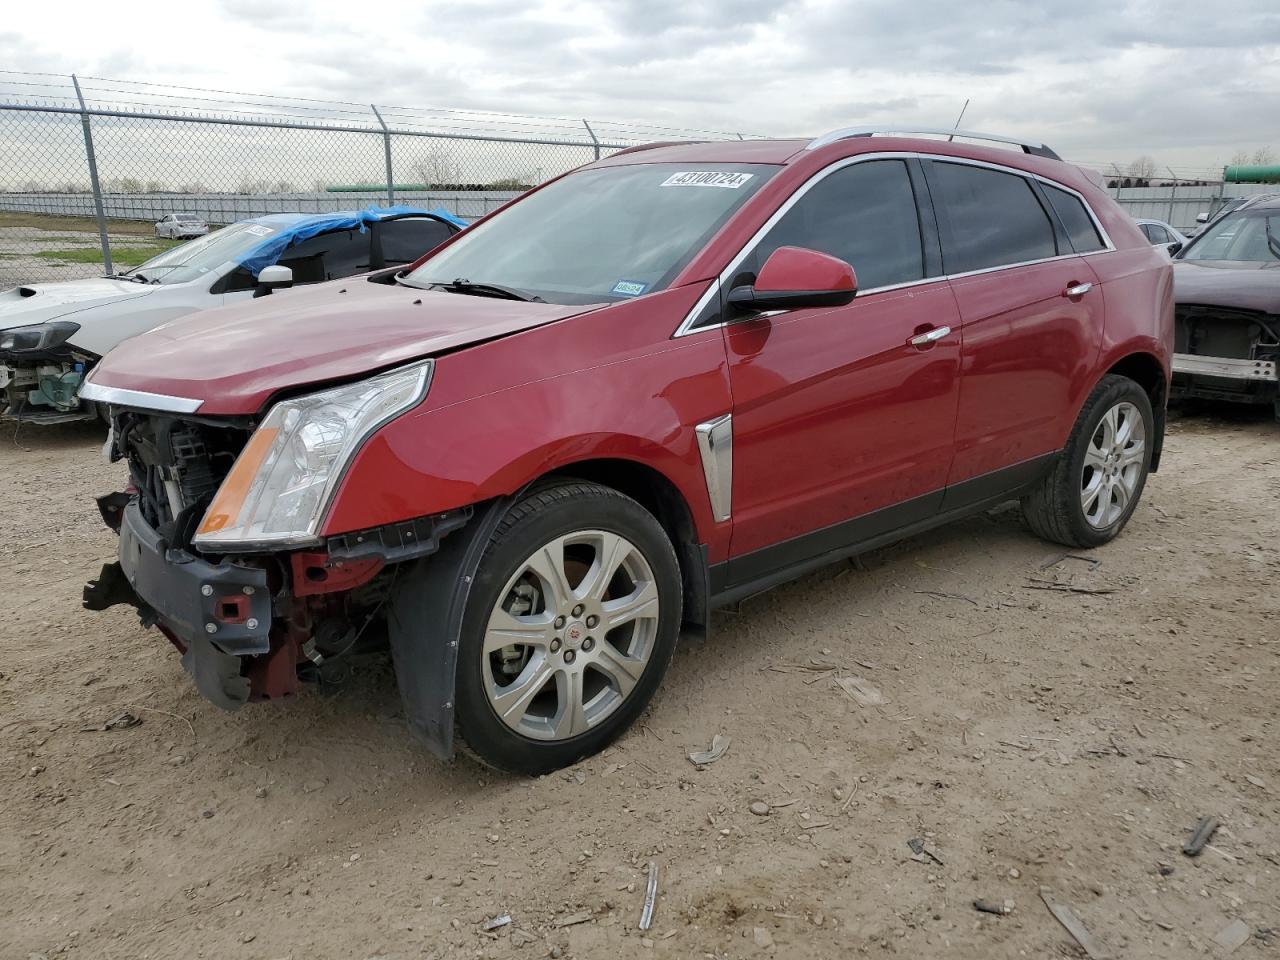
point(1030, 737)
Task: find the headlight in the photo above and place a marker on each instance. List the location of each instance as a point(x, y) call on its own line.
point(280, 486)
point(37, 337)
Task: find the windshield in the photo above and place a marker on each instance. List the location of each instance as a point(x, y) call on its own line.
point(1252, 236)
point(191, 260)
point(598, 235)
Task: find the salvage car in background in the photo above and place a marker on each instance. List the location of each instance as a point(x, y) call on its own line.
point(51, 334)
point(539, 454)
point(181, 226)
point(1227, 282)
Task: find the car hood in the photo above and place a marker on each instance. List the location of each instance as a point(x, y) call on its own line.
point(233, 359)
point(42, 302)
point(1246, 285)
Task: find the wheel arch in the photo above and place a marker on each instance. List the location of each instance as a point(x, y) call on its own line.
point(660, 495)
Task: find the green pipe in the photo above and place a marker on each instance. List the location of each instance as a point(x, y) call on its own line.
point(1240, 173)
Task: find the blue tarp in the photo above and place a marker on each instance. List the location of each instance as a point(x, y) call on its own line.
point(269, 251)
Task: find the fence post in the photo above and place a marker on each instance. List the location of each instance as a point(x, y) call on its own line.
point(592, 134)
point(93, 179)
point(386, 152)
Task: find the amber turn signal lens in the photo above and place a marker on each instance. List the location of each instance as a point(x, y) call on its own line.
point(227, 504)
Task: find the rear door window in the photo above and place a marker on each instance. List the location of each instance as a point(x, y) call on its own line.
point(992, 218)
point(865, 214)
point(404, 241)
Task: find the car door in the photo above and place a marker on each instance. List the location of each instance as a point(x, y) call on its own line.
point(842, 426)
point(1031, 319)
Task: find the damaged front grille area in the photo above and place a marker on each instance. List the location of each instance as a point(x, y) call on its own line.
point(1210, 331)
point(176, 465)
point(1225, 353)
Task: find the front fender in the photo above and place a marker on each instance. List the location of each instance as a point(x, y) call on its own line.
point(490, 426)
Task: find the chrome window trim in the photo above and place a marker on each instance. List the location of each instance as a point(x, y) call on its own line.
point(715, 446)
point(120, 397)
point(686, 327)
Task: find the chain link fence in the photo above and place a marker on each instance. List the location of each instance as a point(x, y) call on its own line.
point(90, 166)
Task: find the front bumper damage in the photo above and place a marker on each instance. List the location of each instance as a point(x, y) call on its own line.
point(44, 391)
point(1222, 353)
point(246, 626)
point(213, 613)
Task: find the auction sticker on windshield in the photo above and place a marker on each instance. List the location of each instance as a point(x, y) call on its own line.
point(259, 230)
point(707, 178)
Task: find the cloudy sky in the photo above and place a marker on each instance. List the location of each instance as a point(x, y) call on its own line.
point(1189, 83)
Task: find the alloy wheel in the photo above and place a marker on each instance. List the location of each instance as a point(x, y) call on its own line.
point(570, 635)
point(1113, 465)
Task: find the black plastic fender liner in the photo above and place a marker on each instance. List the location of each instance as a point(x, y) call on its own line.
point(425, 625)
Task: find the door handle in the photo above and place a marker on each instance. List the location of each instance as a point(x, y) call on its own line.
point(929, 336)
point(1077, 290)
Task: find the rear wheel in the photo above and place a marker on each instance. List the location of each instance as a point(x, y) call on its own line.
point(1095, 486)
point(570, 627)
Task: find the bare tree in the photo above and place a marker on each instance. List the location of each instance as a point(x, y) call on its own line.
point(437, 168)
point(1241, 158)
point(1144, 168)
point(1263, 156)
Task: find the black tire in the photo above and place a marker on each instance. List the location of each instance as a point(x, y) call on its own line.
point(542, 516)
point(1053, 509)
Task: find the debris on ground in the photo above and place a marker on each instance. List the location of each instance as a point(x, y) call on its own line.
point(1200, 835)
point(1000, 909)
point(1066, 916)
point(122, 721)
point(759, 808)
point(495, 923)
point(920, 850)
point(650, 897)
point(860, 691)
point(1093, 562)
point(1055, 586)
point(762, 938)
point(1233, 935)
point(719, 745)
point(574, 919)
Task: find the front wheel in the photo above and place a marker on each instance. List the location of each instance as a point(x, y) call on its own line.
point(571, 624)
point(1094, 488)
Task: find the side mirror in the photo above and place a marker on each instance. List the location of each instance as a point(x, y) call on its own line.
point(1202, 218)
point(274, 277)
point(795, 277)
point(1175, 247)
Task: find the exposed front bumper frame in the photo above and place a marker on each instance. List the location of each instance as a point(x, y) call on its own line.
point(226, 604)
point(1229, 368)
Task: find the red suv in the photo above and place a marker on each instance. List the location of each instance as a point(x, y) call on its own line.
point(669, 379)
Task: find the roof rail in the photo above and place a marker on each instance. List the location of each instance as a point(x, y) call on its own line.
point(654, 145)
point(848, 133)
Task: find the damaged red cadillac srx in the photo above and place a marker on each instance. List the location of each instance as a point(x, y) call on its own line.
point(648, 388)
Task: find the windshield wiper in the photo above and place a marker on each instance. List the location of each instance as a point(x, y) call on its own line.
point(132, 277)
point(462, 285)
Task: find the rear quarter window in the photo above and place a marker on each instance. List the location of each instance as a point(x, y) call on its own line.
point(1079, 225)
point(995, 218)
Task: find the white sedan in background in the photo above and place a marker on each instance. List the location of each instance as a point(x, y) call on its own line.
point(1160, 233)
point(181, 226)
